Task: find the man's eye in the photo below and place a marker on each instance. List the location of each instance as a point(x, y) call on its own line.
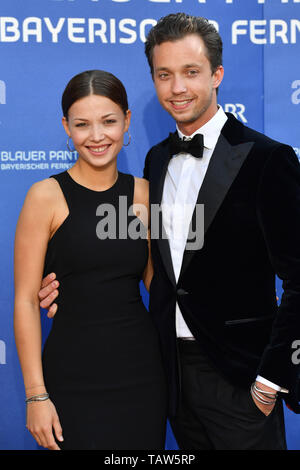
point(163, 75)
point(192, 72)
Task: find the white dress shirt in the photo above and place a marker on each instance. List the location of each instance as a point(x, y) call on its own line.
point(183, 180)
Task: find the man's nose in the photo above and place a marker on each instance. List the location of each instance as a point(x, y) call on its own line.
point(178, 85)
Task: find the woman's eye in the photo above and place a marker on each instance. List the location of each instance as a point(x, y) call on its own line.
point(110, 121)
point(80, 124)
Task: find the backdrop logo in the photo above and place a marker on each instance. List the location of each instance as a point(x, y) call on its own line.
point(2, 92)
point(267, 32)
point(2, 352)
point(296, 94)
point(237, 109)
point(77, 30)
point(127, 30)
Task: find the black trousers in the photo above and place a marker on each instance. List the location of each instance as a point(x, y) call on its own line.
point(215, 415)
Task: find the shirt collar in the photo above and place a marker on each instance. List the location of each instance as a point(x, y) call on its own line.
point(211, 130)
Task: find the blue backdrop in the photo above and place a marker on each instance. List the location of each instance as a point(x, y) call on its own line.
point(43, 43)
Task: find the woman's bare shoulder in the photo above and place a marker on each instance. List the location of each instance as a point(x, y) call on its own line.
point(46, 190)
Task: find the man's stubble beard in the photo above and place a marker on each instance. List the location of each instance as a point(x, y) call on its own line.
point(197, 114)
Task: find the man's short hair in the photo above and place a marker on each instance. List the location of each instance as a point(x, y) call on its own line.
point(176, 26)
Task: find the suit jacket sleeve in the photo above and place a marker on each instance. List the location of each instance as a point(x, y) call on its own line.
point(278, 207)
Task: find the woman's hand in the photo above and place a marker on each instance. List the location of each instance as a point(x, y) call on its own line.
point(42, 420)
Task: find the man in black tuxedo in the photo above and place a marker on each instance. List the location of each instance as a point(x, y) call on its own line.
point(226, 345)
point(215, 307)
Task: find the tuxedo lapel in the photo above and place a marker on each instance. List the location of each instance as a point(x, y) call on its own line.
point(157, 192)
point(223, 168)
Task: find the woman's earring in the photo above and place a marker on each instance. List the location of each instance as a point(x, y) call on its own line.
point(129, 140)
point(68, 145)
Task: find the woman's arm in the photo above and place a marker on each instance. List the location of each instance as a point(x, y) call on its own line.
point(141, 210)
point(148, 272)
point(32, 236)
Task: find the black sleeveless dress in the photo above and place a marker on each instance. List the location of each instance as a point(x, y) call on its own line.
point(101, 360)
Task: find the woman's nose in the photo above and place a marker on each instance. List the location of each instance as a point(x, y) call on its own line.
point(97, 134)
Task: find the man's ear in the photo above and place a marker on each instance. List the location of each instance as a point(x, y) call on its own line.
point(218, 76)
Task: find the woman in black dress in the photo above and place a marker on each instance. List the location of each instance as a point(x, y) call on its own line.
point(99, 383)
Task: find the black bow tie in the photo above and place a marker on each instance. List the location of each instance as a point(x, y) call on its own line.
point(193, 146)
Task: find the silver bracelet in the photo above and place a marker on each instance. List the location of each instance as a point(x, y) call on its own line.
point(41, 397)
point(264, 392)
point(260, 399)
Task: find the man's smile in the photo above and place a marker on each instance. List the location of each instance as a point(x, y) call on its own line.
point(180, 104)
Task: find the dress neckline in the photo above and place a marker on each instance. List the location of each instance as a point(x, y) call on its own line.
point(93, 190)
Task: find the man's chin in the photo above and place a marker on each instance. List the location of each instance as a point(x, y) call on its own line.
point(184, 119)
point(180, 116)
point(188, 119)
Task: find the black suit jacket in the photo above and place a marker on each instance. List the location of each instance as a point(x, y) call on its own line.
point(226, 289)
